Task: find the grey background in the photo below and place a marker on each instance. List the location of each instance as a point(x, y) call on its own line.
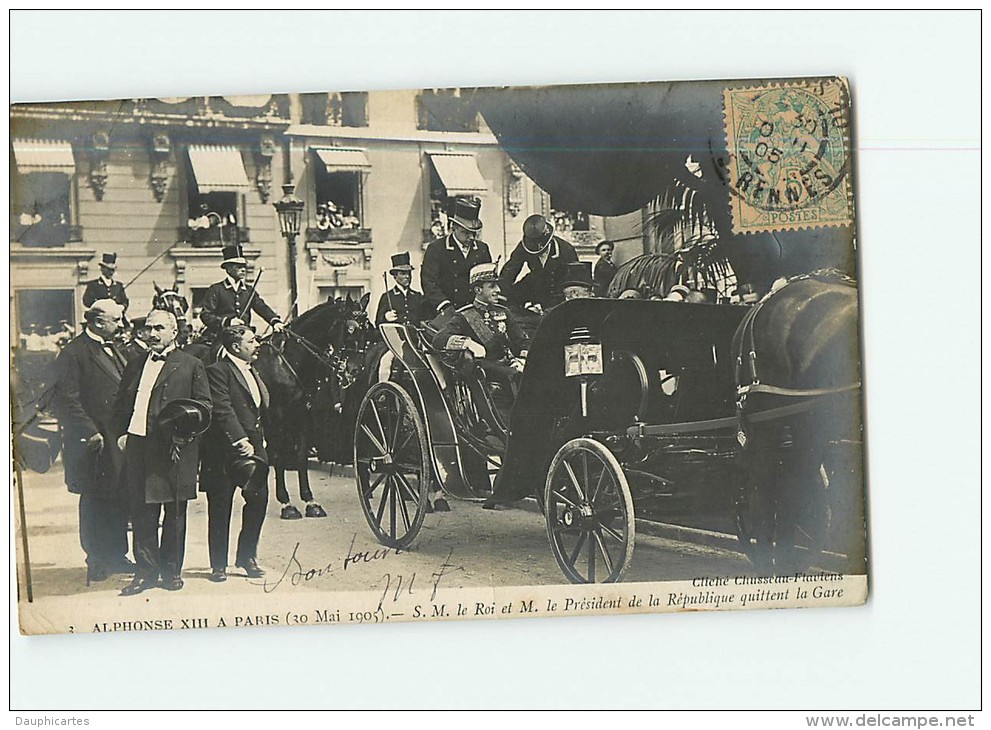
point(916, 644)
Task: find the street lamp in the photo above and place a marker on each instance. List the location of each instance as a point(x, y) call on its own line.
point(290, 210)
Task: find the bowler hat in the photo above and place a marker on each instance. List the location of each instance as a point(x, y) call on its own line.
point(537, 233)
point(400, 262)
point(184, 418)
point(578, 273)
point(466, 212)
point(234, 254)
point(109, 261)
point(241, 469)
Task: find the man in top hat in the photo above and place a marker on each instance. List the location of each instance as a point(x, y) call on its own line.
point(87, 375)
point(234, 452)
point(401, 303)
point(231, 301)
point(604, 269)
point(105, 287)
point(534, 275)
point(448, 261)
point(577, 282)
point(160, 462)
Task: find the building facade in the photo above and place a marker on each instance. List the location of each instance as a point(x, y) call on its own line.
point(165, 183)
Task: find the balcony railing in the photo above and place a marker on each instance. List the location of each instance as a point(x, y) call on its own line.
point(339, 235)
point(214, 237)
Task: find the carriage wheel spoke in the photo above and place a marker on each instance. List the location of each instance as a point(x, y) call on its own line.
point(382, 503)
point(404, 512)
point(591, 561)
point(578, 548)
point(399, 449)
point(399, 422)
point(611, 532)
point(374, 486)
point(375, 441)
point(408, 487)
point(378, 420)
point(392, 509)
point(598, 485)
point(605, 553)
point(574, 479)
point(564, 499)
point(560, 528)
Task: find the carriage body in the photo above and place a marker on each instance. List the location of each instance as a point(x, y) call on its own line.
point(652, 433)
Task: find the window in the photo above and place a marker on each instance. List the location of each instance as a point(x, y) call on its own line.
point(41, 196)
point(565, 220)
point(215, 196)
point(338, 178)
point(335, 109)
point(452, 174)
point(45, 319)
point(445, 110)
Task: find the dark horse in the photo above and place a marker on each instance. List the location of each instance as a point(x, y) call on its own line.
point(801, 497)
point(309, 370)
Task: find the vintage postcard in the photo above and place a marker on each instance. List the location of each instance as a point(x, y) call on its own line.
point(438, 354)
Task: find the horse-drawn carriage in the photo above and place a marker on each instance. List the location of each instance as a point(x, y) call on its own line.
point(740, 419)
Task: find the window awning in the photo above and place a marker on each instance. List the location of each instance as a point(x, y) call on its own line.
point(217, 169)
point(459, 173)
point(44, 155)
point(343, 159)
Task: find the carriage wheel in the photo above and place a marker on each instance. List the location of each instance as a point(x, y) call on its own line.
point(391, 464)
point(589, 513)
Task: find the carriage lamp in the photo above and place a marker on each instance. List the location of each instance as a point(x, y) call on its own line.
point(582, 358)
point(290, 210)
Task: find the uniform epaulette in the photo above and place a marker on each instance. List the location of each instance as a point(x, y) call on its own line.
point(465, 308)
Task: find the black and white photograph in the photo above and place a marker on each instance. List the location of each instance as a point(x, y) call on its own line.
point(441, 354)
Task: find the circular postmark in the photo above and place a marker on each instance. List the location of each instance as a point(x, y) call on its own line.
point(789, 146)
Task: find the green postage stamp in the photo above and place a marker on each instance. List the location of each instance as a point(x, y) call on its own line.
point(789, 148)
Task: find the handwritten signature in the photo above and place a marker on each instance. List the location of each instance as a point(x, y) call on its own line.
point(398, 586)
point(296, 573)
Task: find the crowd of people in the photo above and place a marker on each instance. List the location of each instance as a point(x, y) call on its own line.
point(147, 425)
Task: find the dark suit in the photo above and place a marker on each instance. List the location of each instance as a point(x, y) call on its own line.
point(409, 307)
point(221, 304)
point(153, 478)
point(445, 272)
point(97, 290)
point(602, 276)
point(543, 283)
point(87, 378)
point(235, 417)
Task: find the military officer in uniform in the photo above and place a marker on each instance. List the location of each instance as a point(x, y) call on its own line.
point(448, 260)
point(105, 287)
point(230, 302)
point(400, 304)
point(534, 274)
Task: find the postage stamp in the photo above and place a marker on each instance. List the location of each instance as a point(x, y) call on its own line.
point(789, 155)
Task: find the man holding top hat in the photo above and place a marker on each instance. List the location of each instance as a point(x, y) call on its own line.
point(162, 406)
point(534, 274)
point(234, 452)
point(231, 301)
point(87, 375)
point(105, 287)
point(448, 260)
point(400, 304)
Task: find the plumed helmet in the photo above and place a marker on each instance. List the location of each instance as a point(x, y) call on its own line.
point(184, 418)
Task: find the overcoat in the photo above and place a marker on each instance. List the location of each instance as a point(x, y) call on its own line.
point(235, 416)
point(221, 304)
point(409, 307)
point(542, 283)
point(445, 272)
point(602, 276)
point(87, 378)
point(182, 376)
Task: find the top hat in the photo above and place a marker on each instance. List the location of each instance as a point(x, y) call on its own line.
point(109, 261)
point(233, 254)
point(482, 273)
point(466, 212)
point(537, 233)
point(400, 262)
point(184, 418)
point(578, 273)
point(241, 469)
point(139, 323)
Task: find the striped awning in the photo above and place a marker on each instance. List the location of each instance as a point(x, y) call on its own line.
point(217, 169)
point(458, 173)
point(43, 155)
point(338, 159)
